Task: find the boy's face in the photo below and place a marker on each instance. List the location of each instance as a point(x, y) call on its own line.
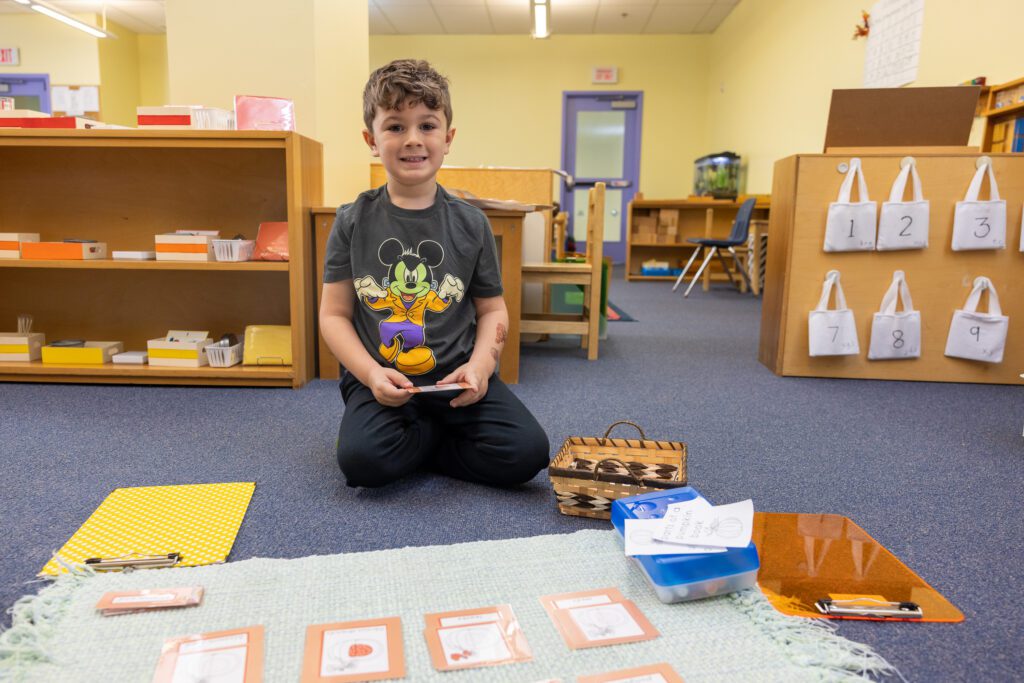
point(411, 142)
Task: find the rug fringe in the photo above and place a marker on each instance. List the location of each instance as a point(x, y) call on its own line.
point(814, 642)
point(34, 619)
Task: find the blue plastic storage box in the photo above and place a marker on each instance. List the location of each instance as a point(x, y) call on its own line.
point(676, 578)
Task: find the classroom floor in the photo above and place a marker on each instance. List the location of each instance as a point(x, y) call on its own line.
point(932, 471)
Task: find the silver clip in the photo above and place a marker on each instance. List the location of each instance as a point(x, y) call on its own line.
point(869, 607)
point(133, 561)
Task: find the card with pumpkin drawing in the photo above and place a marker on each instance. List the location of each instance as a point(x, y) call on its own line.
point(475, 637)
point(368, 650)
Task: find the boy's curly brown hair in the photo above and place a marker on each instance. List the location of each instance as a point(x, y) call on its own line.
point(405, 81)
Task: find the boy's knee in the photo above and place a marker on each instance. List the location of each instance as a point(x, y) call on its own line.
point(530, 453)
point(363, 468)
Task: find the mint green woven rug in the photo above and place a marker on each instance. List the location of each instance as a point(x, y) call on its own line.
point(58, 636)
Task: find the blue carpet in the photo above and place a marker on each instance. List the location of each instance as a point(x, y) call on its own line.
point(933, 471)
point(623, 316)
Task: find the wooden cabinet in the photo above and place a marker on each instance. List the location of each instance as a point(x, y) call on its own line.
point(123, 187)
point(650, 236)
point(940, 279)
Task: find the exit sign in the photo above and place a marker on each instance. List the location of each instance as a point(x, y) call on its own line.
point(605, 74)
point(9, 56)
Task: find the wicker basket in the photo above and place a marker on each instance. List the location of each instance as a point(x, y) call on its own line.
point(589, 473)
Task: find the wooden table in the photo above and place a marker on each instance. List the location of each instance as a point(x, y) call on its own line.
point(507, 227)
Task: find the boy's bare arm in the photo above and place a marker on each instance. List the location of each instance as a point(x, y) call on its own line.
point(337, 306)
point(491, 332)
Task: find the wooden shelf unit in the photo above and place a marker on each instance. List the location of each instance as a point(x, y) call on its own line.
point(939, 278)
point(123, 187)
point(697, 218)
point(1004, 107)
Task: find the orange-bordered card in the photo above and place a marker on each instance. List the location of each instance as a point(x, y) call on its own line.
point(653, 673)
point(485, 636)
point(235, 655)
point(128, 602)
point(596, 618)
point(368, 650)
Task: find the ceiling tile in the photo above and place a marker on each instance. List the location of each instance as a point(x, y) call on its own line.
point(464, 18)
point(715, 16)
point(412, 19)
point(676, 18)
point(573, 19)
point(622, 19)
point(379, 24)
point(510, 19)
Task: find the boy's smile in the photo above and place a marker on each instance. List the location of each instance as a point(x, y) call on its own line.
point(411, 143)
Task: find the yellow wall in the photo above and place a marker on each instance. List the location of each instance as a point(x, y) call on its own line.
point(313, 52)
point(119, 76)
point(775, 63)
point(48, 47)
point(153, 83)
point(507, 96)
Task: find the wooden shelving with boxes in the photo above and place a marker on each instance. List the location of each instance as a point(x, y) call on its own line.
point(1004, 118)
point(123, 187)
point(658, 229)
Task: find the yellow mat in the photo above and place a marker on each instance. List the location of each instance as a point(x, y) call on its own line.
point(200, 521)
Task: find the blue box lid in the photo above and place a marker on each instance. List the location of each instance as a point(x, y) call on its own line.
point(673, 570)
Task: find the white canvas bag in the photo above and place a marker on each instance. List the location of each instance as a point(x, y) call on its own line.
point(979, 224)
point(896, 335)
point(904, 225)
point(851, 225)
point(978, 336)
point(832, 332)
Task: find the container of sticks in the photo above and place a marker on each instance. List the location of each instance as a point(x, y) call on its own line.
point(588, 473)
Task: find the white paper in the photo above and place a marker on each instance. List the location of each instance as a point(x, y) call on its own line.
point(729, 526)
point(219, 666)
point(470, 619)
point(473, 644)
point(642, 539)
point(583, 602)
point(59, 98)
point(75, 105)
point(214, 643)
point(355, 651)
point(90, 97)
point(606, 622)
point(894, 43)
point(645, 678)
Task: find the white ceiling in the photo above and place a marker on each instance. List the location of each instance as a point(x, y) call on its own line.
point(409, 17)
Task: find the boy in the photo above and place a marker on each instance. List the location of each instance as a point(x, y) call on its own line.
point(412, 290)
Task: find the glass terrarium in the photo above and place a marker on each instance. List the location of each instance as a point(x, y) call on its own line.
point(717, 175)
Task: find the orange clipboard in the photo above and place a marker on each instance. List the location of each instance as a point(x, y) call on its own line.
point(825, 566)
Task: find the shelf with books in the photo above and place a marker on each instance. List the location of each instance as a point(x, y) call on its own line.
point(124, 187)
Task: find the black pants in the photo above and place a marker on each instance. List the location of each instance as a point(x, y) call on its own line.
point(495, 441)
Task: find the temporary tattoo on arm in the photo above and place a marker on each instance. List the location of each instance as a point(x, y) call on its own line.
point(502, 334)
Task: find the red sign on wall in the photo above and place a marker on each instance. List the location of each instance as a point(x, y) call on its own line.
point(9, 56)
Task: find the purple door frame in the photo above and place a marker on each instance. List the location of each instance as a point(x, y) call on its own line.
point(574, 101)
point(37, 85)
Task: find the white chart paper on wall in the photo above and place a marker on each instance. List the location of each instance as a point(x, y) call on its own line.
point(894, 43)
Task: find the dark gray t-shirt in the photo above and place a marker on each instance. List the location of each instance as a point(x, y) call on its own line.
point(416, 273)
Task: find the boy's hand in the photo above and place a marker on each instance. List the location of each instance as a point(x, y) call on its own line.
point(389, 386)
point(472, 375)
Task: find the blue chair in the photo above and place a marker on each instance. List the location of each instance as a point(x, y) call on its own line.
point(737, 237)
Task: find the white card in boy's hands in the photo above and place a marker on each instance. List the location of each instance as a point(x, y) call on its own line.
point(455, 386)
point(728, 526)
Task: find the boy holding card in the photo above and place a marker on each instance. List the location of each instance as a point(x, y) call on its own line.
point(412, 289)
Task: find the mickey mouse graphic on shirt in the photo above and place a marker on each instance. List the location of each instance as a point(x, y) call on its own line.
point(408, 291)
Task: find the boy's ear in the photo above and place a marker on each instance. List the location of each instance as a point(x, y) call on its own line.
point(371, 142)
point(448, 137)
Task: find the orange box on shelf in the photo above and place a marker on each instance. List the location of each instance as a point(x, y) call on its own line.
point(59, 251)
point(186, 245)
point(10, 243)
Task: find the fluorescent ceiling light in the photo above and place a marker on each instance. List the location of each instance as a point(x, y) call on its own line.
point(55, 13)
point(540, 19)
point(23, 2)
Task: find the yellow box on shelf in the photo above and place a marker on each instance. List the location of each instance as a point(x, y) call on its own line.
point(10, 243)
point(186, 245)
point(180, 348)
point(267, 345)
point(90, 353)
point(26, 347)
